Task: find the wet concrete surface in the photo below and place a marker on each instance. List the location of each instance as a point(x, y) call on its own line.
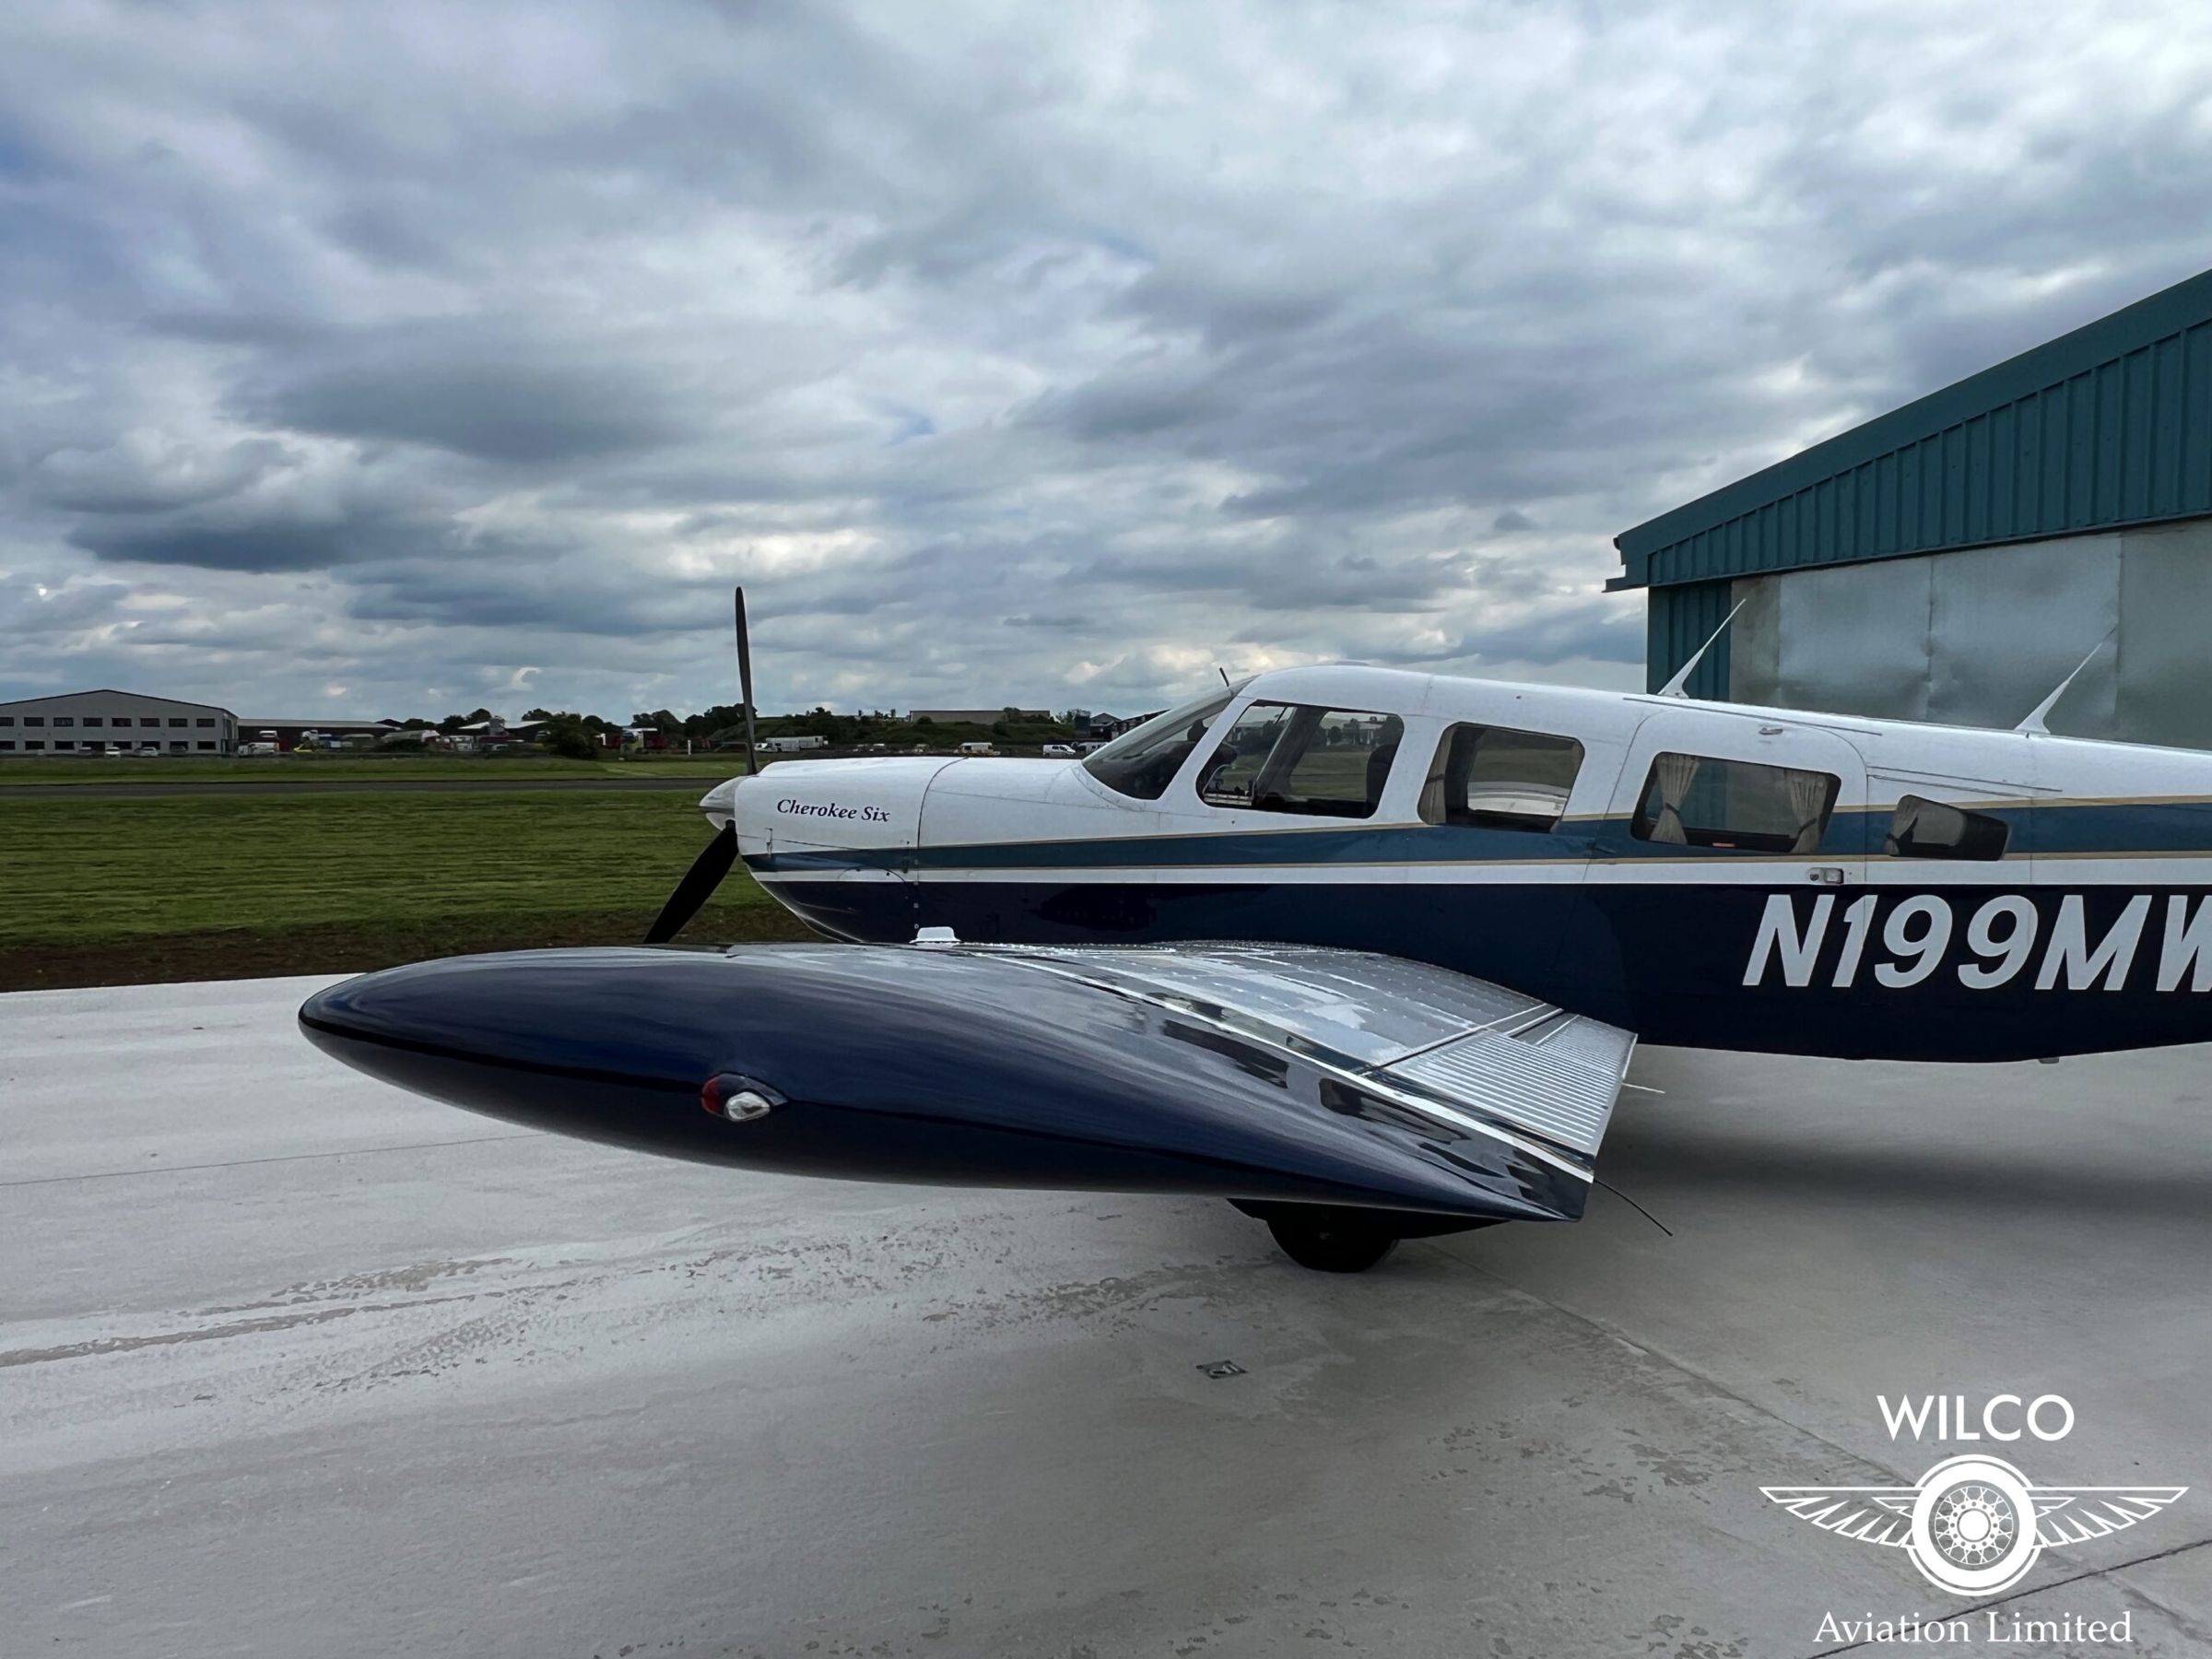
point(291, 1363)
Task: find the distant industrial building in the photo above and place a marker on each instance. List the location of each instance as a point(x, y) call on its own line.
point(976, 716)
point(1955, 558)
point(287, 735)
point(92, 723)
point(1091, 726)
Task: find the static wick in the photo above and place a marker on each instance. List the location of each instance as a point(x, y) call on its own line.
point(1637, 1207)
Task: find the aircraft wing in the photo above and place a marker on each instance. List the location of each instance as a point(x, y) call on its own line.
point(1258, 1072)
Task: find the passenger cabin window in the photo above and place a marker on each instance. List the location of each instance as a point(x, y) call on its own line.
point(1924, 829)
point(1143, 759)
point(1496, 778)
point(1296, 758)
point(1733, 805)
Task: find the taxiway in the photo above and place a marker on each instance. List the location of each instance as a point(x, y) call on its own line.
point(292, 1363)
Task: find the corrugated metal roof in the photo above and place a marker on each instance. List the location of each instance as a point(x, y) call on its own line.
point(115, 691)
point(2109, 425)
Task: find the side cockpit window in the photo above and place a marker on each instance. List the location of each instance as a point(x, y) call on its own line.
point(1733, 805)
point(1296, 758)
point(1925, 828)
point(1496, 778)
point(1143, 760)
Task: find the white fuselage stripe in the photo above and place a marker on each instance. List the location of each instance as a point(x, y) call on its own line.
point(2146, 871)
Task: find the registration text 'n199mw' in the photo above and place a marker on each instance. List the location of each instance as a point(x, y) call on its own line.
point(1910, 940)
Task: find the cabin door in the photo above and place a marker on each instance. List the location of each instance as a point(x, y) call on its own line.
point(1729, 884)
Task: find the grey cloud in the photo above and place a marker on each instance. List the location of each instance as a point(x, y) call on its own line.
point(562, 595)
point(452, 389)
point(125, 477)
point(1137, 402)
point(28, 608)
point(269, 545)
point(1043, 355)
point(1609, 631)
point(391, 233)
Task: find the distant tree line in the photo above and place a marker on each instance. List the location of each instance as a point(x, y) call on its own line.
point(721, 725)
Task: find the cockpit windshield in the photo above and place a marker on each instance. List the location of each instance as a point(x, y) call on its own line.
point(1143, 759)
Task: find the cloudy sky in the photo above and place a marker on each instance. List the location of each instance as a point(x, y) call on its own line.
point(399, 359)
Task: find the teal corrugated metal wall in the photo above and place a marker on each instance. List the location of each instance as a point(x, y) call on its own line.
point(1677, 621)
point(2109, 425)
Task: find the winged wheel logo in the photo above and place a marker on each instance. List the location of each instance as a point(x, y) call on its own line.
point(1974, 1524)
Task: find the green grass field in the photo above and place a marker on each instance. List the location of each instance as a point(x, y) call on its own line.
point(106, 891)
point(481, 770)
point(262, 769)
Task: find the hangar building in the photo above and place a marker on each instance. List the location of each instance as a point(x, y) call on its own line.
point(1955, 558)
point(83, 722)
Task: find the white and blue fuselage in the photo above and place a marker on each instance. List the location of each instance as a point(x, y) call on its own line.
point(1705, 874)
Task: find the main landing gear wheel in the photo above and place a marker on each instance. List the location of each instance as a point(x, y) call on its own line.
point(1332, 1246)
point(1343, 1238)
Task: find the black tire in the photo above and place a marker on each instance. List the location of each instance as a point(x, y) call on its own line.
point(1332, 1246)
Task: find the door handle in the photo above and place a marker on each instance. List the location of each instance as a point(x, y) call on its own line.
point(1826, 875)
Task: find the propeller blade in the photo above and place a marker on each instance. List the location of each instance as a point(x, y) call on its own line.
point(697, 887)
point(745, 685)
point(716, 857)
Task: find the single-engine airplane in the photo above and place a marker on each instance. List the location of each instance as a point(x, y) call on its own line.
point(1365, 952)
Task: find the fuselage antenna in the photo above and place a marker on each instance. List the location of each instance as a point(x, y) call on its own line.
point(1674, 687)
point(2034, 724)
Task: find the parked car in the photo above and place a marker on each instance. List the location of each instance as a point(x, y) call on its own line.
point(1059, 752)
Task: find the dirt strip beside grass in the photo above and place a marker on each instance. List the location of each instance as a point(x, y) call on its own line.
point(355, 947)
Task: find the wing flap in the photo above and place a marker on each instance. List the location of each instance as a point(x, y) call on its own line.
point(1566, 1094)
point(1506, 1058)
